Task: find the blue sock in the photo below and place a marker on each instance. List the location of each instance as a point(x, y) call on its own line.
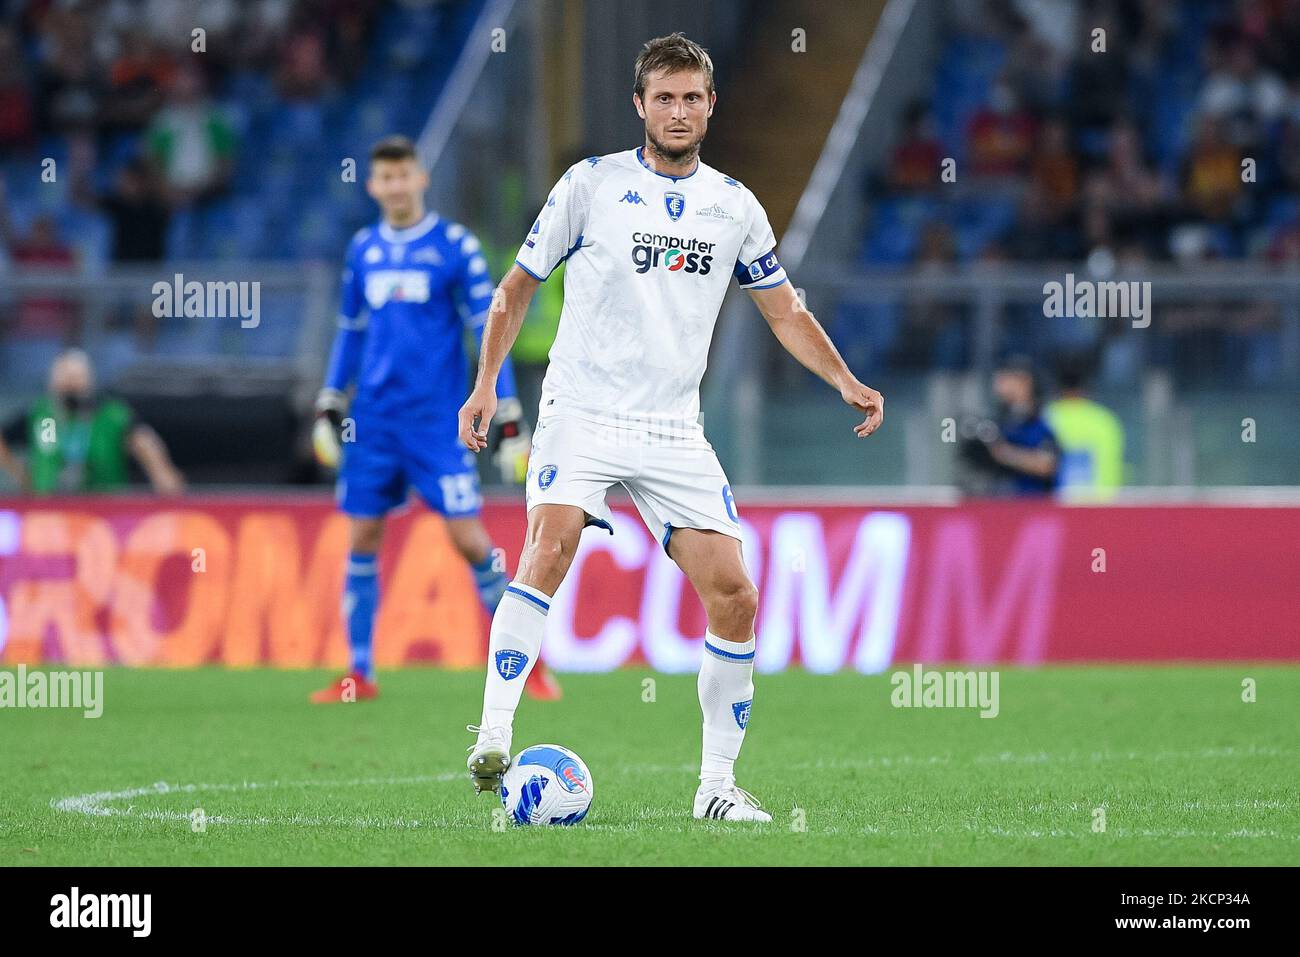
point(491, 583)
point(360, 599)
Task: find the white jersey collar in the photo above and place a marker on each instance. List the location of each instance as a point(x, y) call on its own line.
point(641, 160)
point(411, 233)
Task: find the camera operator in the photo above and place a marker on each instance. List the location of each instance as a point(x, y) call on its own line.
point(1017, 454)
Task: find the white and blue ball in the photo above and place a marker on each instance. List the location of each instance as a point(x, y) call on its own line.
point(546, 784)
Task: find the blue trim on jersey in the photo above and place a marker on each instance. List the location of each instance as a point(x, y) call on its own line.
point(642, 161)
point(729, 656)
point(532, 598)
point(668, 533)
point(600, 522)
point(530, 272)
point(572, 249)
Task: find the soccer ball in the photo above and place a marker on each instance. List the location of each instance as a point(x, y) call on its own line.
point(546, 784)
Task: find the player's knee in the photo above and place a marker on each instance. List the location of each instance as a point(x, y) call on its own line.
point(736, 601)
point(546, 559)
point(367, 534)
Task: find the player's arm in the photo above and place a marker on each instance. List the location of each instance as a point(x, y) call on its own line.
point(14, 434)
point(150, 451)
point(805, 339)
point(344, 362)
point(556, 233)
point(504, 319)
point(1040, 462)
point(474, 290)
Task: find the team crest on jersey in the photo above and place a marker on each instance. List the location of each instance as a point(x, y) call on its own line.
point(373, 255)
point(740, 709)
point(675, 204)
point(510, 663)
point(545, 476)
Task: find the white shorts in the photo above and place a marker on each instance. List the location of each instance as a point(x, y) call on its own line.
point(674, 483)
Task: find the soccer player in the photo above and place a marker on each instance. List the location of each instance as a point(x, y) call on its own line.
point(651, 237)
point(411, 284)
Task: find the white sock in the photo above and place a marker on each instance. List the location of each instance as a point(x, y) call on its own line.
point(726, 688)
point(516, 640)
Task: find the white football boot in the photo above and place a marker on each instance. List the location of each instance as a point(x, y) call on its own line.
point(488, 757)
point(723, 801)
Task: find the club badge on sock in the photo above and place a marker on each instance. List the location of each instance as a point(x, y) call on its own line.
point(741, 710)
point(510, 664)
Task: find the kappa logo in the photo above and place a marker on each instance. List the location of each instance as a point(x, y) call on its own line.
point(632, 198)
point(675, 204)
point(741, 710)
point(510, 663)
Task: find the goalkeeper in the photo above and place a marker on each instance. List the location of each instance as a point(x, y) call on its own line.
point(411, 285)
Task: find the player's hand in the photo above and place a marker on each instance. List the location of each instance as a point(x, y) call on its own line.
point(868, 400)
point(475, 417)
point(514, 442)
point(326, 432)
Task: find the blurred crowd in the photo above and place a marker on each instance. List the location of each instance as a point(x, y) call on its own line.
point(123, 94)
point(1104, 136)
point(1132, 147)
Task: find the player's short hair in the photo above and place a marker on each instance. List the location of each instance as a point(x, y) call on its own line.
point(393, 148)
point(674, 53)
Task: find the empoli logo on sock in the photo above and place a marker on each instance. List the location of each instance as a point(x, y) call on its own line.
point(740, 709)
point(510, 664)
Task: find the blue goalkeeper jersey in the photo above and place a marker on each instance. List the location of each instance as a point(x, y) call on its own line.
point(407, 297)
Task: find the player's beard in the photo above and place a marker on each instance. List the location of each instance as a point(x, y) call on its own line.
point(675, 156)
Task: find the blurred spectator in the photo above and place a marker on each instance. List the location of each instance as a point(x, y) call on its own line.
point(1126, 193)
point(934, 330)
point(79, 442)
point(71, 81)
point(136, 80)
point(137, 211)
point(40, 249)
point(1090, 437)
point(1001, 134)
point(1244, 94)
point(191, 141)
point(1048, 226)
point(302, 73)
point(17, 115)
point(915, 163)
point(1212, 179)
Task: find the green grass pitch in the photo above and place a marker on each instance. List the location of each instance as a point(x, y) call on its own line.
point(1186, 772)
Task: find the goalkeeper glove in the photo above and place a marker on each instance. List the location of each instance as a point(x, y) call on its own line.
point(326, 432)
point(513, 442)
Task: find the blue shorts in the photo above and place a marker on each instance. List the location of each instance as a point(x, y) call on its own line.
point(388, 459)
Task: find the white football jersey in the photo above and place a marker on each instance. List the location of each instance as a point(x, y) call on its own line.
point(648, 259)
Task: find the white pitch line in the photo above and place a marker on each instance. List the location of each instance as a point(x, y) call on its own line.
point(96, 803)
